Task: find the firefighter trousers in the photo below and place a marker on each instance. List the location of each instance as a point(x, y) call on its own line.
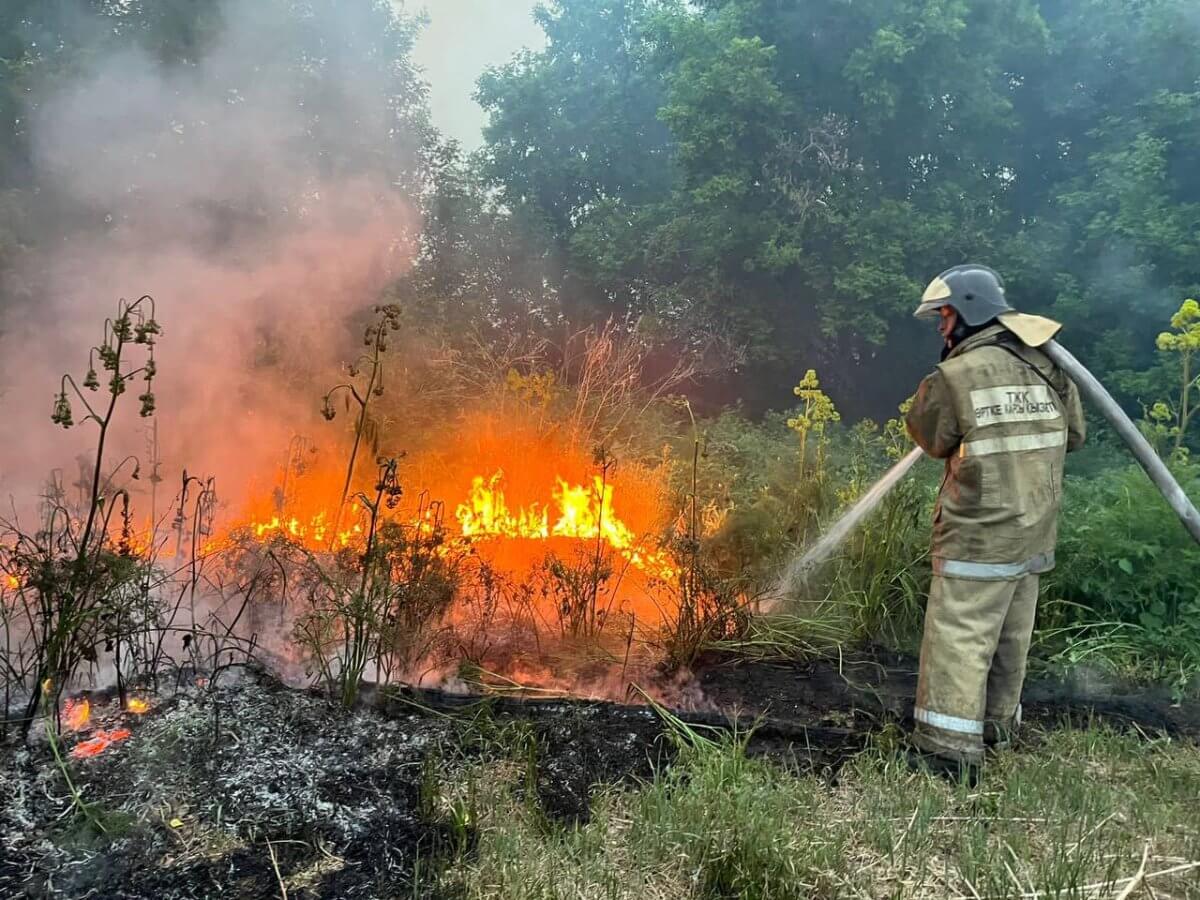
point(973, 657)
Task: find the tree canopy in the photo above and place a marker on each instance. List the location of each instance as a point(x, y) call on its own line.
point(791, 174)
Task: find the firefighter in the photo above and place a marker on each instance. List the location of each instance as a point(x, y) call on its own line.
point(1002, 416)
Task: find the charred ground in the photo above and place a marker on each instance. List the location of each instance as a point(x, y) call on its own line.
point(241, 789)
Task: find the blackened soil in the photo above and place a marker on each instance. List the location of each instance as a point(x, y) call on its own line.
point(213, 793)
point(222, 794)
point(576, 746)
point(567, 747)
point(864, 692)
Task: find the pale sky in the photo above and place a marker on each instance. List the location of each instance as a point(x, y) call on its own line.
point(463, 38)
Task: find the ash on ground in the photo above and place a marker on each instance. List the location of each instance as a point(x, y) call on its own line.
point(227, 792)
point(235, 790)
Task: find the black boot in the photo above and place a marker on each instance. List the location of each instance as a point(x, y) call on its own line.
point(956, 771)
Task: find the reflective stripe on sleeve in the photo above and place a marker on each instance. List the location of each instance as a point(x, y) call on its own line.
point(947, 723)
point(977, 571)
point(1014, 443)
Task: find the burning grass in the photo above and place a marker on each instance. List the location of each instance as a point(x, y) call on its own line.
point(555, 546)
point(99, 742)
point(503, 487)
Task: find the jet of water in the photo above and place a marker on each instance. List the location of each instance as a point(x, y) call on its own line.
point(800, 568)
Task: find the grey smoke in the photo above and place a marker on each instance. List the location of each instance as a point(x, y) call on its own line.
point(261, 213)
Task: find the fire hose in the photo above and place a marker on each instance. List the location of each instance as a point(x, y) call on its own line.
point(1093, 391)
point(1089, 388)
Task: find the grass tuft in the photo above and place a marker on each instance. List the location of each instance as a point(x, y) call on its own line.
point(1073, 817)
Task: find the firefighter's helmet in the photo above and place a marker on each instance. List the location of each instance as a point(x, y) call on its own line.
point(975, 292)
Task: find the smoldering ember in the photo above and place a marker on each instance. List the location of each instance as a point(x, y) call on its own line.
point(599, 449)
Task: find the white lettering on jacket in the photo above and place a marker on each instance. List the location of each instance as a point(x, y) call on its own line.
point(1014, 403)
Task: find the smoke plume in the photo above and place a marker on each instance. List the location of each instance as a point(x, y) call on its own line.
point(260, 193)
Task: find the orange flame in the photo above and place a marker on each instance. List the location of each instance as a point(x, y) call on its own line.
point(315, 531)
point(528, 503)
point(581, 513)
point(12, 582)
point(575, 512)
point(137, 705)
point(77, 713)
point(98, 744)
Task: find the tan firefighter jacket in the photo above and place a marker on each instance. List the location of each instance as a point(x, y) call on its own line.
point(1003, 416)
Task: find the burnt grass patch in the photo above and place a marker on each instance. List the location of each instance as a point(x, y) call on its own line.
point(866, 692)
point(225, 793)
point(229, 792)
point(211, 795)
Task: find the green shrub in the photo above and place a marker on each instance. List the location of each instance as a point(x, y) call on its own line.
point(1128, 578)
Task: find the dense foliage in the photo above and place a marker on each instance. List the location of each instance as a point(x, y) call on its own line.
point(787, 176)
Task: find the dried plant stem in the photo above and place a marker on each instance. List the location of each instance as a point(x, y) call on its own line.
point(278, 875)
point(376, 339)
point(1138, 876)
point(69, 608)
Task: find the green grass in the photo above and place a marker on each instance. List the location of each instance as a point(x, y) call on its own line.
point(1071, 817)
point(1125, 591)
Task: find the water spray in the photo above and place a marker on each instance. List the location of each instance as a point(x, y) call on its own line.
point(800, 568)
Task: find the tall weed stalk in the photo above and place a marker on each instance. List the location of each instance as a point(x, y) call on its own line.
point(78, 587)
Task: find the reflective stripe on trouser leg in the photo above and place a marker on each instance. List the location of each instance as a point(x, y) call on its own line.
point(1007, 674)
point(961, 568)
point(963, 622)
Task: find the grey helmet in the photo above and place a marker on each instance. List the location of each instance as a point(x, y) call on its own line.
point(974, 291)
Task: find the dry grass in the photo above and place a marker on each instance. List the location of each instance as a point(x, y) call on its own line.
point(1082, 814)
